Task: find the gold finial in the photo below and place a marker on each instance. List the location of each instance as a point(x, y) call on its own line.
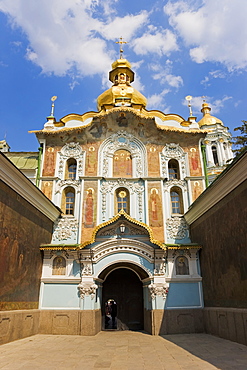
point(189, 98)
point(121, 42)
point(53, 105)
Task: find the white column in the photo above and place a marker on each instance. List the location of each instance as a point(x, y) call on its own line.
point(222, 150)
point(209, 154)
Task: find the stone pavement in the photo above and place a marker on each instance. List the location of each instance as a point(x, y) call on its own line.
point(123, 350)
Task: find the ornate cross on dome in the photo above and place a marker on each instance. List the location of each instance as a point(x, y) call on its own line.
point(121, 42)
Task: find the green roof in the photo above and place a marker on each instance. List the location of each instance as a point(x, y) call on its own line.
point(24, 160)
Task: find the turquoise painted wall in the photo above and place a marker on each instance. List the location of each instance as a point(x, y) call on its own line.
point(184, 295)
point(60, 296)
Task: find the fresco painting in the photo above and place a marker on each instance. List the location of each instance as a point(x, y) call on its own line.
point(91, 160)
point(47, 189)
point(153, 160)
point(89, 209)
point(197, 189)
point(49, 164)
point(194, 160)
point(20, 257)
point(122, 163)
point(155, 210)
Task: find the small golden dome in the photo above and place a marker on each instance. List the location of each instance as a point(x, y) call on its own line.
point(207, 119)
point(121, 93)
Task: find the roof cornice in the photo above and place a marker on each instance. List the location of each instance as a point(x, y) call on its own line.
point(16, 180)
point(225, 183)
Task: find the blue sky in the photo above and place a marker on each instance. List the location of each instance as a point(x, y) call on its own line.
point(65, 48)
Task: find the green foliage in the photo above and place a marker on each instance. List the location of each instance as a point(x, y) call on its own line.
point(240, 141)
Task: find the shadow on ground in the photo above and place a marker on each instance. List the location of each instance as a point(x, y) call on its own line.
point(218, 352)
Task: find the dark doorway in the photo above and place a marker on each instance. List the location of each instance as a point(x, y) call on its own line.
point(125, 288)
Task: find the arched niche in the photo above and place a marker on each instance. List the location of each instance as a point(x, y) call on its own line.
point(123, 141)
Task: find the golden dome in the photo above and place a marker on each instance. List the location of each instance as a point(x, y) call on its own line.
point(207, 119)
point(121, 93)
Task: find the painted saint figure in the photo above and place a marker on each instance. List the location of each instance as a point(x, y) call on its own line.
point(89, 208)
point(155, 208)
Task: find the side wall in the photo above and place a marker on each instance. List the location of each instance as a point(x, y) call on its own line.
point(19, 324)
point(222, 233)
point(22, 229)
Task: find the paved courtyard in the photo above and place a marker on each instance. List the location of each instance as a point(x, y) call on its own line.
point(123, 350)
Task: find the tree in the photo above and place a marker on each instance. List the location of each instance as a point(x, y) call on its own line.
point(240, 142)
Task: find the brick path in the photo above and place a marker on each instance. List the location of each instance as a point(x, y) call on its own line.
point(123, 350)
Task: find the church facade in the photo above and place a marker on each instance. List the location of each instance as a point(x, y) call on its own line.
point(124, 177)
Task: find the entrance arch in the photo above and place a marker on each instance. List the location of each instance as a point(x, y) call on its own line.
point(124, 286)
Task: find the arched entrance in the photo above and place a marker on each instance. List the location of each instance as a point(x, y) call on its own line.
point(125, 287)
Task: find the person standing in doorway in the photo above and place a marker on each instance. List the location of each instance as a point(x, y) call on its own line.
point(113, 313)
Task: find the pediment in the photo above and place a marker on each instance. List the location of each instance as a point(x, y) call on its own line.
point(133, 229)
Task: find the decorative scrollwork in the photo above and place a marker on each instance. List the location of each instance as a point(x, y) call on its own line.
point(177, 228)
point(70, 150)
point(172, 151)
point(86, 290)
point(65, 228)
point(160, 290)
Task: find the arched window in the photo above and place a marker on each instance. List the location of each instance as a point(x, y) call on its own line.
point(176, 201)
point(71, 166)
point(215, 155)
point(122, 200)
point(68, 201)
point(122, 164)
point(59, 266)
point(182, 265)
point(173, 169)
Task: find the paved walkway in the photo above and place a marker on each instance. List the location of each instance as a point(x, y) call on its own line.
point(123, 350)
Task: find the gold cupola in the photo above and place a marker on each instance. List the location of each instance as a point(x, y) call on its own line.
point(207, 119)
point(121, 93)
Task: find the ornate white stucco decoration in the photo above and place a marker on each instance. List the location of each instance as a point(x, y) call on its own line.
point(87, 269)
point(133, 187)
point(181, 252)
point(160, 290)
point(86, 290)
point(160, 268)
point(172, 151)
point(175, 182)
point(177, 228)
point(65, 228)
point(71, 150)
point(123, 140)
point(69, 182)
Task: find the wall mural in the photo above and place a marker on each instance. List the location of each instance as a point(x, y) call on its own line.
point(22, 230)
point(155, 210)
point(49, 163)
point(197, 189)
point(122, 164)
point(153, 160)
point(194, 160)
point(47, 189)
point(89, 209)
point(91, 161)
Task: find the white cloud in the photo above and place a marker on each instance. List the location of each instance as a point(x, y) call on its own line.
point(157, 101)
point(213, 74)
point(215, 31)
point(126, 26)
point(161, 42)
point(164, 75)
point(70, 37)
